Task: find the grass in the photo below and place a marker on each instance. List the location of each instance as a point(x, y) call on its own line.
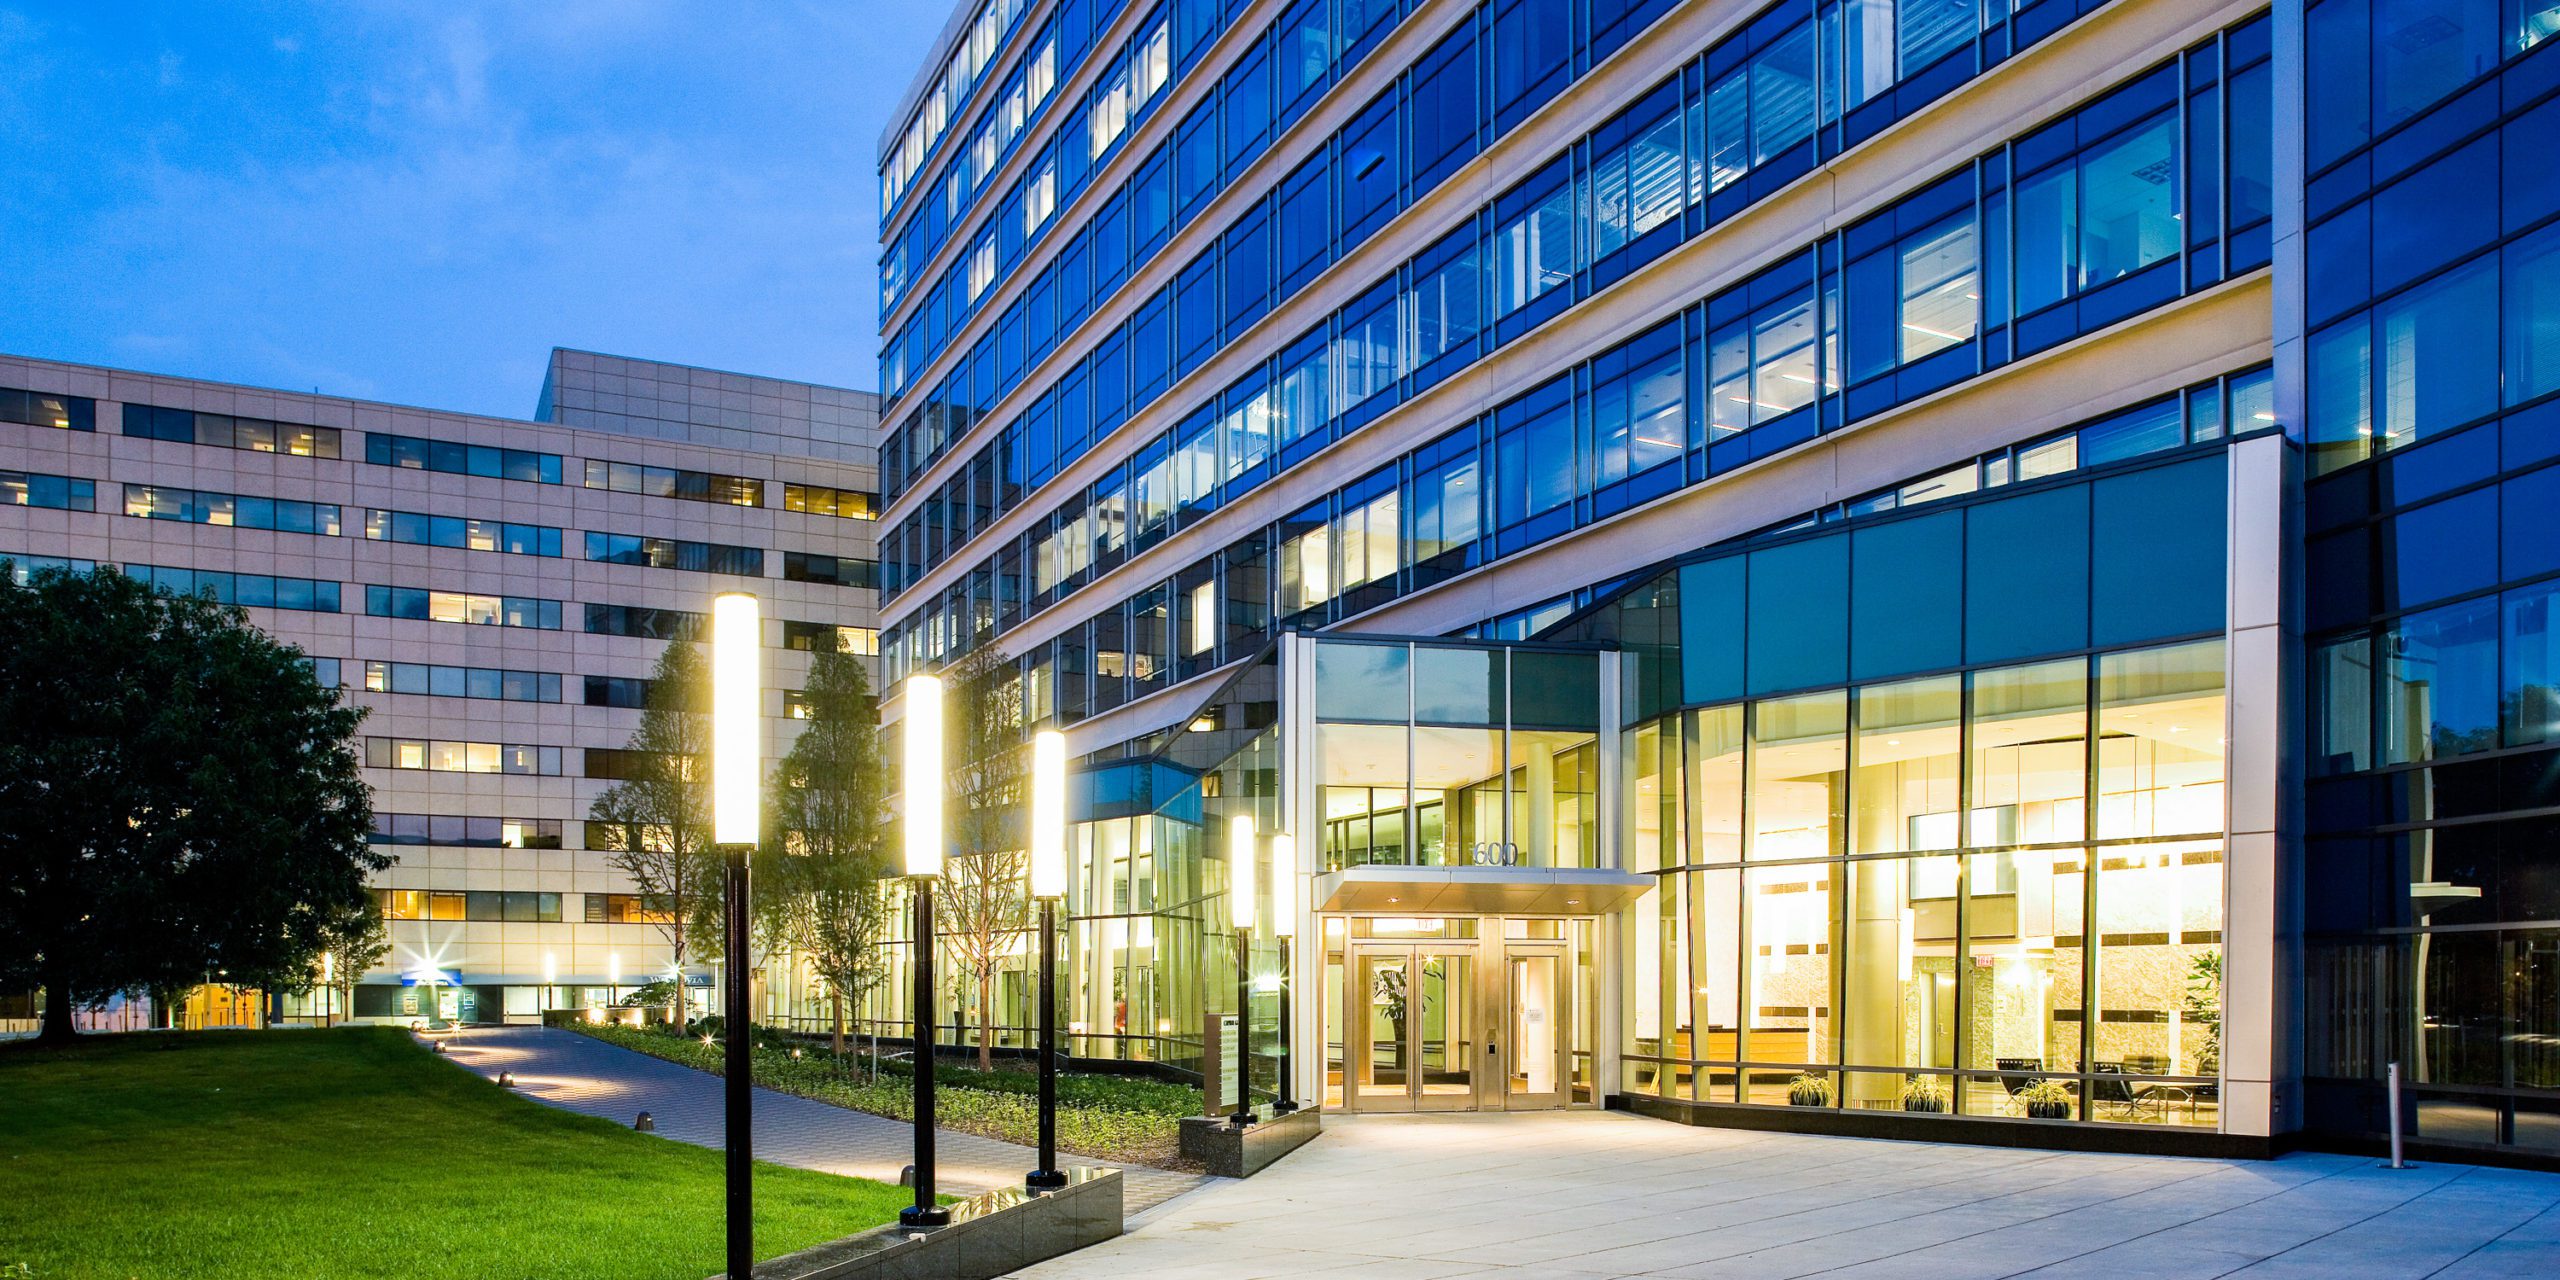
point(353, 1153)
point(1122, 1118)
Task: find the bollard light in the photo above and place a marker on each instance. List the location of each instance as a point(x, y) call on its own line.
point(1048, 884)
point(1048, 814)
point(737, 649)
point(737, 814)
point(1240, 914)
point(1284, 926)
point(921, 802)
point(923, 784)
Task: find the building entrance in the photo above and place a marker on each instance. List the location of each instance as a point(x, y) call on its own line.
point(1476, 1016)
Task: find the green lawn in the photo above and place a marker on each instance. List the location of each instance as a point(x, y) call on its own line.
point(353, 1153)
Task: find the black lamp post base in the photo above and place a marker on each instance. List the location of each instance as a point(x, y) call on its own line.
point(1045, 1179)
point(1240, 1118)
point(915, 1215)
point(1283, 1107)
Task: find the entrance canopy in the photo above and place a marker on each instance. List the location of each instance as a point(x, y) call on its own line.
point(1459, 891)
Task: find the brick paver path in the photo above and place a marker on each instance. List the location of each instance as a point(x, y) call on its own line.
point(580, 1073)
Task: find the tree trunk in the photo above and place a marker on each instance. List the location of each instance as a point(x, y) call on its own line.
point(836, 999)
point(57, 1013)
point(986, 1020)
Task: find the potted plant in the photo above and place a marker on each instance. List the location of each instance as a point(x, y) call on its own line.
point(2047, 1100)
point(1809, 1090)
point(1924, 1093)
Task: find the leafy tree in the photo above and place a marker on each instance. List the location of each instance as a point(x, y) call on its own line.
point(659, 816)
point(986, 883)
point(355, 943)
point(178, 796)
point(818, 884)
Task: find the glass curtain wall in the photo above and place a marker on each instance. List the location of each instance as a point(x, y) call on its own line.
point(1449, 754)
point(1903, 920)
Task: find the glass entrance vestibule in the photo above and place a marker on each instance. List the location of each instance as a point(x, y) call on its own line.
point(1456, 1013)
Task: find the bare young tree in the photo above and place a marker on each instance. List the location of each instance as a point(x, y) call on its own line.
point(986, 885)
point(819, 881)
point(659, 816)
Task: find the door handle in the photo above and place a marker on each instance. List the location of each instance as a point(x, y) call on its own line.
point(1488, 1048)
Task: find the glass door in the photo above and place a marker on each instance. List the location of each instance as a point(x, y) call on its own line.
point(1447, 1025)
point(1534, 1045)
point(1379, 1043)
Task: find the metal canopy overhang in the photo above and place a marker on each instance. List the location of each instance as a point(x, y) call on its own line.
point(1465, 891)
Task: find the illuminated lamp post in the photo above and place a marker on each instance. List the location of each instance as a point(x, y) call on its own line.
point(1048, 884)
point(737, 651)
point(921, 791)
point(1284, 926)
point(1240, 917)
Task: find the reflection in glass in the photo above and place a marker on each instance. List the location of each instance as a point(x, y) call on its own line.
point(1797, 761)
point(2160, 726)
point(1907, 753)
point(2030, 756)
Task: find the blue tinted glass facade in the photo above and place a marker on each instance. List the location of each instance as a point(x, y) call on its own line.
point(2432, 426)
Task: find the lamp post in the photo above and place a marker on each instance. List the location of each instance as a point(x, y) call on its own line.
point(923, 790)
point(736, 689)
point(1048, 884)
point(1284, 927)
point(1240, 916)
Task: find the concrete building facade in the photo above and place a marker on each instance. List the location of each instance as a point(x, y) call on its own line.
point(494, 592)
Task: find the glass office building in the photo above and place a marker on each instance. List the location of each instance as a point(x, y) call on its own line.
point(1928, 568)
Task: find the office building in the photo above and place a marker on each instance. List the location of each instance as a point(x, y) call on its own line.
point(494, 592)
point(1912, 567)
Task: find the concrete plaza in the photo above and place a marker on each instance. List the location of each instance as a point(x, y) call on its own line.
point(1585, 1196)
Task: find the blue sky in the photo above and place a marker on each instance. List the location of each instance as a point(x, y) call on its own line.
point(415, 202)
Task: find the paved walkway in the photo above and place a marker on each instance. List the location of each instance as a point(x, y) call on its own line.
point(1585, 1195)
point(581, 1073)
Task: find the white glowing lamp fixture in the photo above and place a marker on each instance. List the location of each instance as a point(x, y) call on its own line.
point(1284, 886)
point(1240, 871)
point(1048, 814)
point(924, 780)
point(736, 649)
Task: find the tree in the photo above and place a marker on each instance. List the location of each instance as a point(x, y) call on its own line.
point(989, 897)
point(818, 882)
point(659, 814)
point(178, 796)
point(354, 944)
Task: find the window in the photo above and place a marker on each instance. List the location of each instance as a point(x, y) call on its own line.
point(62, 493)
point(818, 500)
point(460, 531)
point(2100, 215)
point(667, 482)
point(439, 755)
point(384, 450)
point(1533, 241)
point(302, 595)
point(67, 413)
point(1641, 183)
point(223, 430)
point(643, 623)
point(1447, 507)
point(460, 682)
point(631, 693)
point(1763, 366)
point(671, 553)
point(804, 637)
point(155, 502)
point(1443, 312)
point(456, 606)
point(462, 831)
point(833, 571)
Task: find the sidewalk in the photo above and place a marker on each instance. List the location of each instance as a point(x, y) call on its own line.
point(1597, 1195)
point(579, 1073)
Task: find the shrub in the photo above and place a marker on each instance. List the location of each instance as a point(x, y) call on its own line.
point(1809, 1090)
